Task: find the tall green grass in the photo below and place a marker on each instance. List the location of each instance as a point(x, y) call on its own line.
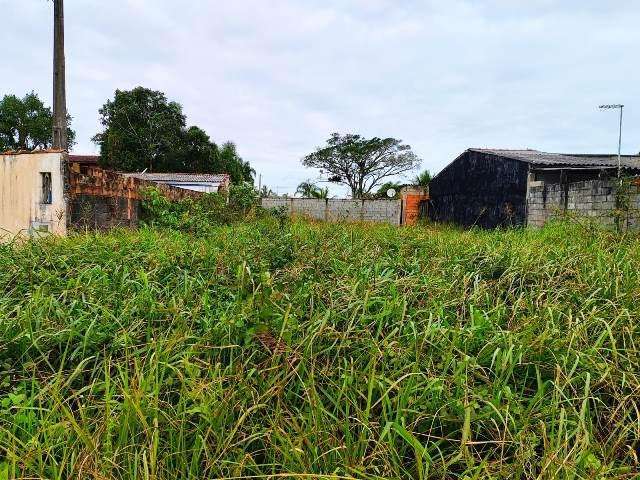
point(269, 350)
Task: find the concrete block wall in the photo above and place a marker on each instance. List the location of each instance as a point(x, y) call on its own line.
point(334, 209)
point(381, 211)
point(345, 209)
point(594, 199)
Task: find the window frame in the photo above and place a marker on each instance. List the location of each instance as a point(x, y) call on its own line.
point(46, 188)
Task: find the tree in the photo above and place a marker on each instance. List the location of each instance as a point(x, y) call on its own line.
point(198, 154)
point(26, 124)
point(423, 179)
point(267, 192)
point(142, 130)
point(234, 165)
point(360, 163)
point(322, 193)
point(308, 189)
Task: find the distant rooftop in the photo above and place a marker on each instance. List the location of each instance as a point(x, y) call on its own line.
point(542, 159)
point(181, 177)
point(84, 159)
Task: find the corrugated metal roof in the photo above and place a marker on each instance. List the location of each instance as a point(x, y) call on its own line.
point(536, 157)
point(181, 177)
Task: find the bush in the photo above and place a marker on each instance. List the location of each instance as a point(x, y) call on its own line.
point(199, 214)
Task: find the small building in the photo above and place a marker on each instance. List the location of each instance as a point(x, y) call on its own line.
point(102, 199)
point(489, 187)
point(198, 182)
point(50, 191)
point(32, 193)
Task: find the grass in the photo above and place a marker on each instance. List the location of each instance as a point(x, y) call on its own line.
point(321, 351)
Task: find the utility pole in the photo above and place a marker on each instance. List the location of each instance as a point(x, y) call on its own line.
point(59, 79)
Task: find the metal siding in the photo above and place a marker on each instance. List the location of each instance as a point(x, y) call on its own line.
point(480, 189)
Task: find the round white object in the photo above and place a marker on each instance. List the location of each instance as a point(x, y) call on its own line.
point(391, 193)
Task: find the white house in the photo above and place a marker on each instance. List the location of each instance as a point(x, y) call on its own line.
point(32, 196)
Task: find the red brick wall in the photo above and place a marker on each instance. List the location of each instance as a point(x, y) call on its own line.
point(102, 199)
point(106, 183)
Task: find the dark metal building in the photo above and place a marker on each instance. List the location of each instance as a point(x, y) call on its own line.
point(488, 187)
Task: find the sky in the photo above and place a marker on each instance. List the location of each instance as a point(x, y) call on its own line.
point(277, 77)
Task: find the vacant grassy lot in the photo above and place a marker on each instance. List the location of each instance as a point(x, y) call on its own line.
point(336, 351)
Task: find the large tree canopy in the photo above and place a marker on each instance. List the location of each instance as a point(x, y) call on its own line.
point(361, 163)
point(144, 130)
point(198, 153)
point(26, 124)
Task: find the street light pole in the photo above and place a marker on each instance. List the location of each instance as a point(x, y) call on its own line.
point(609, 107)
point(620, 139)
point(59, 79)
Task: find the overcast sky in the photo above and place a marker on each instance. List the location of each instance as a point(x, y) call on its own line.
point(278, 76)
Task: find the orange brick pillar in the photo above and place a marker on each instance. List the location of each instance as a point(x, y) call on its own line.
point(412, 198)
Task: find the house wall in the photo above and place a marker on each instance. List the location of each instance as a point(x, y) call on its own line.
point(333, 209)
point(595, 199)
point(480, 189)
point(103, 199)
point(21, 209)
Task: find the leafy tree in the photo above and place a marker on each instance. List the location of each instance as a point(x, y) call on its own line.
point(26, 124)
point(361, 163)
point(231, 163)
point(198, 154)
point(142, 130)
point(308, 189)
point(423, 179)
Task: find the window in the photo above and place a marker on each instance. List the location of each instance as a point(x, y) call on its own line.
point(46, 197)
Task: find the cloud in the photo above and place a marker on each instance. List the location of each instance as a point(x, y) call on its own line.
point(278, 77)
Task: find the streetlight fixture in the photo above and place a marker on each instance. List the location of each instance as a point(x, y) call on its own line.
point(610, 107)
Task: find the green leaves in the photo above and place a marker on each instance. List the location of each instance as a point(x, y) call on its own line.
point(26, 124)
point(309, 189)
point(338, 351)
point(361, 163)
point(202, 214)
point(143, 130)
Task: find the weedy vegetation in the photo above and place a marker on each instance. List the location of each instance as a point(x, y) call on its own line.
point(276, 349)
